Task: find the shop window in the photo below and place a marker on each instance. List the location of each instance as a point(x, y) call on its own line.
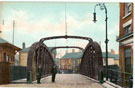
point(127, 8)
point(127, 57)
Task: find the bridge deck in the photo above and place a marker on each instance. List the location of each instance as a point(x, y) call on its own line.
point(63, 81)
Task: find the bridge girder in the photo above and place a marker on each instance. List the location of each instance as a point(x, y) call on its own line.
point(58, 47)
point(40, 56)
point(65, 37)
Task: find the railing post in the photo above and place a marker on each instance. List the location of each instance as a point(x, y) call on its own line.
point(101, 77)
point(111, 76)
point(30, 77)
point(116, 77)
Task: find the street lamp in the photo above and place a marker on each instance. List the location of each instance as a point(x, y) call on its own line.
point(103, 7)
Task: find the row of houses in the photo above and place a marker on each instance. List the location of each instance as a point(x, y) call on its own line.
point(70, 62)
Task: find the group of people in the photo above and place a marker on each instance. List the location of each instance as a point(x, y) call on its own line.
point(53, 72)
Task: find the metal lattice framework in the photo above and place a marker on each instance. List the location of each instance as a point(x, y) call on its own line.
point(92, 61)
point(58, 47)
point(40, 56)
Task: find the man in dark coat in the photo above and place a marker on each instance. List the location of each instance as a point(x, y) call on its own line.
point(54, 71)
point(38, 74)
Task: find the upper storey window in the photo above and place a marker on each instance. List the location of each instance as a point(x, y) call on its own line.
point(127, 8)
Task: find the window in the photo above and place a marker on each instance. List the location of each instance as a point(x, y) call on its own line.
point(127, 29)
point(63, 62)
point(127, 8)
point(127, 57)
point(12, 59)
point(7, 58)
point(4, 57)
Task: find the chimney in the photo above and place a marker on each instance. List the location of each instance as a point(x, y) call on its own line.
point(73, 50)
point(79, 50)
point(66, 51)
point(23, 45)
point(112, 51)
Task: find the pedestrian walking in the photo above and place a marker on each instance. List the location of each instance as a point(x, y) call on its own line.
point(38, 75)
point(53, 71)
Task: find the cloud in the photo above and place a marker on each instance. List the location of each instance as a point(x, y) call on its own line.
point(24, 23)
point(47, 26)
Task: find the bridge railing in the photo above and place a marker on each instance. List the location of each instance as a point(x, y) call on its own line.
point(117, 77)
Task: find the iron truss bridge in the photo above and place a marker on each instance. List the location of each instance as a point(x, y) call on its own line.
point(40, 56)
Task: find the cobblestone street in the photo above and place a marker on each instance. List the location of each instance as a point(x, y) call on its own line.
point(62, 81)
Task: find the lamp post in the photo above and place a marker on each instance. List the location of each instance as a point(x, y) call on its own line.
point(103, 7)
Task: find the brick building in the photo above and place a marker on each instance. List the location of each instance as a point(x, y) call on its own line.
point(113, 58)
point(125, 38)
point(70, 62)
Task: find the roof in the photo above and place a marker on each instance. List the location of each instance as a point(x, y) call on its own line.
point(4, 42)
point(109, 55)
point(27, 50)
point(115, 56)
point(54, 51)
point(74, 55)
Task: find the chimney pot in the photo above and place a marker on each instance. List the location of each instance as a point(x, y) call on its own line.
point(23, 45)
point(73, 50)
point(112, 51)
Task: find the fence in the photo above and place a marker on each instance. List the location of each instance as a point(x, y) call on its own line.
point(17, 72)
point(123, 79)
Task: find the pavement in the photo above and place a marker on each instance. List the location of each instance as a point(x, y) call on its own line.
point(62, 81)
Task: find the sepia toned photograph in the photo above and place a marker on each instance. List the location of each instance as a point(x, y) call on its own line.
point(66, 44)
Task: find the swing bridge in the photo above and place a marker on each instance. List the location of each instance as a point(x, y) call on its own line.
point(39, 55)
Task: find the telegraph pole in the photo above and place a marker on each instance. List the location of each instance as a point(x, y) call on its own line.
point(13, 31)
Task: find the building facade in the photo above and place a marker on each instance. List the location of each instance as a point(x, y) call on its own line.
point(70, 62)
point(7, 51)
point(125, 38)
point(113, 58)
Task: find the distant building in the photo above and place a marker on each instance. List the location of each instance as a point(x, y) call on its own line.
point(23, 55)
point(70, 61)
point(113, 59)
point(57, 61)
point(8, 51)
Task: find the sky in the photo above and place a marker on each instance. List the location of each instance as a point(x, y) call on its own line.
point(36, 20)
